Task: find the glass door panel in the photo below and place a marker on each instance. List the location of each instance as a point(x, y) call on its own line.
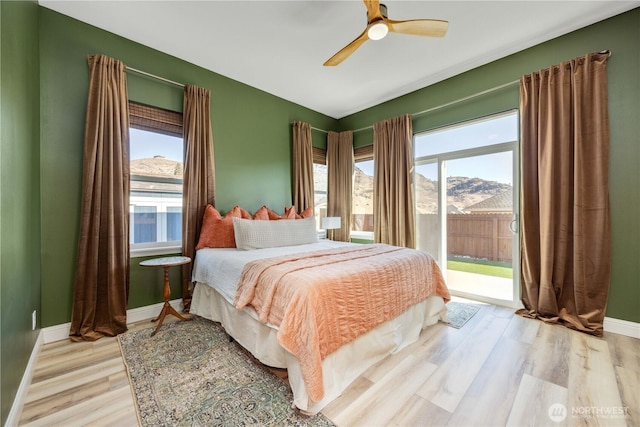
point(465, 175)
point(428, 222)
point(479, 213)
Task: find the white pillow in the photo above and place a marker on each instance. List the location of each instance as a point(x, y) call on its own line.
point(260, 234)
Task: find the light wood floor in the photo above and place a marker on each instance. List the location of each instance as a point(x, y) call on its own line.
point(498, 369)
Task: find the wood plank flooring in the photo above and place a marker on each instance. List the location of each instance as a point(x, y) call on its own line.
point(497, 370)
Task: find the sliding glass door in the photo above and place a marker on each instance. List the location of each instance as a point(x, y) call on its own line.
point(465, 177)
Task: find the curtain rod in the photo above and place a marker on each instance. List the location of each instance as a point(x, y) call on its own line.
point(466, 98)
point(153, 76)
point(439, 106)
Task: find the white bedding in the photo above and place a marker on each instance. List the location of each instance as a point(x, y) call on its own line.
point(216, 273)
point(221, 268)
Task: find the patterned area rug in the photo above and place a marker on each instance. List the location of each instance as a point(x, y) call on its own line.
point(189, 374)
point(460, 313)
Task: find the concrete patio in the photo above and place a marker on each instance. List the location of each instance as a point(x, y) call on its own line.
point(479, 284)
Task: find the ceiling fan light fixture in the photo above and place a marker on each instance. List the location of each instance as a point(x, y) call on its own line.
point(378, 30)
point(379, 25)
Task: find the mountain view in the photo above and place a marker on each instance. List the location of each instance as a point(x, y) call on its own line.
point(166, 175)
point(461, 191)
point(157, 166)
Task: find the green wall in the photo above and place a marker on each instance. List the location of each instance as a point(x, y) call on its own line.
point(19, 193)
point(44, 78)
point(621, 35)
point(252, 135)
point(251, 132)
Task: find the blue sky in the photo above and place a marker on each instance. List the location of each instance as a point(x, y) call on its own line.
point(145, 145)
point(492, 167)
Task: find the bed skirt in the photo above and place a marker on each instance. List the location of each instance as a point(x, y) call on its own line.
point(341, 367)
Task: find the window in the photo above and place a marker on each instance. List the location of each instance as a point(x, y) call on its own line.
point(362, 199)
point(144, 224)
point(319, 184)
point(484, 132)
point(156, 165)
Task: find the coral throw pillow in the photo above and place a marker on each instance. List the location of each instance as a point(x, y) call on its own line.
point(265, 213)
point(289, 213)
point(307, 213)
point(216, 231)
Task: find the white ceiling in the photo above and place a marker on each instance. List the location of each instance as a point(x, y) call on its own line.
point(280, 46)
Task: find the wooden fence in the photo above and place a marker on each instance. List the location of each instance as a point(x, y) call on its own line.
point(481, 236)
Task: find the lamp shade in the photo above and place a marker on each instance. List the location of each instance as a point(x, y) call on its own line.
point(330, 222)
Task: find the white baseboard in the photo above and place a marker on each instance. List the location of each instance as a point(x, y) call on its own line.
point(150, 311)
point(23, 388)
point(55, 333)
point(622, 327)
point(61, 332)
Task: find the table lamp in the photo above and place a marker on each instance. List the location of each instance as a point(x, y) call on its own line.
point(330, 223)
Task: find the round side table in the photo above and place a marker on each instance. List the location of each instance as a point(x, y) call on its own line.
point(166, 262)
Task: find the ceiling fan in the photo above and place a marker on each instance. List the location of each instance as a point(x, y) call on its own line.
point(378, 25)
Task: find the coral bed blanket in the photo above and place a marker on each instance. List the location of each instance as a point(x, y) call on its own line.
point(321, 300)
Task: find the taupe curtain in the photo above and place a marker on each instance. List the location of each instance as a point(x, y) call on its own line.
point(199, 175)
point(302, 166)
point(340, 181)
point(101, 284)
point(565, 236)
point(393, 207)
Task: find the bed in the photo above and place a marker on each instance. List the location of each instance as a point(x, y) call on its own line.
point(322, 357)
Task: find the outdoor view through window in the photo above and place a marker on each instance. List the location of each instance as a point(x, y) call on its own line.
point(464, 179)
point(156, 188)
point(319, 192)
point(362, 201)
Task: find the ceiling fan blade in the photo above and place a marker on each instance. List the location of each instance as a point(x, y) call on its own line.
point(373, 10)
point(419, 27)
point(347, 50)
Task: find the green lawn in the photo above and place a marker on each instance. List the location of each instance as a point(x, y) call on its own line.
point(477, 266)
